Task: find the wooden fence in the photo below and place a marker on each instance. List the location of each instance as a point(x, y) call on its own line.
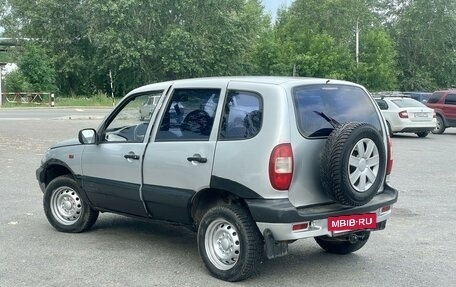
point(27, 98)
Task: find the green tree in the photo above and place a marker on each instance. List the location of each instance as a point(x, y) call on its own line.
point(317, 37)
point(175, 39)
point(425, 36)
point(60, 26)
point(15, 82)
point(37, 68)
point(140, 41)
point(377, 67)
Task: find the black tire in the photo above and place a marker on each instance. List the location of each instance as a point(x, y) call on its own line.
point(240, 244)
point(422, 134)
point(440, 127)
point(65, 209)
point(343, 245)
point(347, 141)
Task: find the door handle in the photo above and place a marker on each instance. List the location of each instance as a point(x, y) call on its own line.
point(197, 158)
point(131, 156)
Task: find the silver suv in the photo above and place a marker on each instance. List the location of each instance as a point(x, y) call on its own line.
point(250, 163)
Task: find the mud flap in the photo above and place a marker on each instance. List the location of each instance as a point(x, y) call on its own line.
point(274, 248)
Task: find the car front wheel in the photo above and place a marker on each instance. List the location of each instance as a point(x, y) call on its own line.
point(65, 209)
point(229, 242)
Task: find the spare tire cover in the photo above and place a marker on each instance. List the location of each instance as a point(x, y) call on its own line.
point(353, 163)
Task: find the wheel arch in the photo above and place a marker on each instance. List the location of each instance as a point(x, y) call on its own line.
point(53, 169)
point(209, 197)
point(439, 113)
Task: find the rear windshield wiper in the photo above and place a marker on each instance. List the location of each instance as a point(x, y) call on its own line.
point(330, 120)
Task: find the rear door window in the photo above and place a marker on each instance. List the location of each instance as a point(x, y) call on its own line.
point(189, 115)
point(318, 105)
point(242, 116)
point(450, 99)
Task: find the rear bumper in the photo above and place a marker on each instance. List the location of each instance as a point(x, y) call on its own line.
point(417, 130)
point(279, 215)
point(413, 126)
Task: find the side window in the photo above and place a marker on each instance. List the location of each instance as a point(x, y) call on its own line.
point(242, 116)
point(131, 122)
point(382, 104)
point(189, 115)
point(450, 99)
point(434, 98)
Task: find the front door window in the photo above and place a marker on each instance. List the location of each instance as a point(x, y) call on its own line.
point(131, 122)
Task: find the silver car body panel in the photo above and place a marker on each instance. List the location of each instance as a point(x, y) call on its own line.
point(245, 162)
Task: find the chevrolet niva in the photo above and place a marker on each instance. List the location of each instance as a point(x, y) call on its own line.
point(250, 163)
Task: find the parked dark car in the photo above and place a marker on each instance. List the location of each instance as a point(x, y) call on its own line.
point(444, 105)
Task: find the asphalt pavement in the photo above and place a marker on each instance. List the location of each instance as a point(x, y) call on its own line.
point(417, 248)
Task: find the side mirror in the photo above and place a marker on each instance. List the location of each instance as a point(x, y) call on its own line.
point(87, 136)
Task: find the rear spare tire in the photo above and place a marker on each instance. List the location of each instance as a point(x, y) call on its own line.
point(353, 163)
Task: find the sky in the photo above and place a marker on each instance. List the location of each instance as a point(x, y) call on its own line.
point(271, 6)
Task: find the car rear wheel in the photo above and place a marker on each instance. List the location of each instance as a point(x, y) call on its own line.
point(353, 163)
point(65, 209)
point(422, 134)
point(343, 245)
point(229, 242)
point(440, 126)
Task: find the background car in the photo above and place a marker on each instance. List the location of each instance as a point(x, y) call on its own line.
point(406, 115)
point(419, 96)
point(444, 105)
point(148, 107)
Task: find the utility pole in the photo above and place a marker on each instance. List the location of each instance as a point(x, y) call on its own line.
point(357, 41)
point(1, 94)
point(112, 91)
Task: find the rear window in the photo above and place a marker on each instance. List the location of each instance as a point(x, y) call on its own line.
point(407, 103)
point(317, 105)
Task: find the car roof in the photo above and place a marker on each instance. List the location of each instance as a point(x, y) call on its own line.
point(272, 80)
point(446, 91)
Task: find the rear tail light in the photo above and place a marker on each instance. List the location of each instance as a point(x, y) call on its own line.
point(300, 227)
point(389, 164)
point(403, 115)
point(281, 167)
point(385, 209)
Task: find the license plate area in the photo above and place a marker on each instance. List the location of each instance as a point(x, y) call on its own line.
point(352, 222)
point(421, 115)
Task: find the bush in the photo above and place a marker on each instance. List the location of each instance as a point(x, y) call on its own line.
point(16, 82)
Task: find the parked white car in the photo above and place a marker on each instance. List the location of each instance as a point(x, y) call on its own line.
point(406, 115)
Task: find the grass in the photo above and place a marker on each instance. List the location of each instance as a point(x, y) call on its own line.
point(99, 100)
